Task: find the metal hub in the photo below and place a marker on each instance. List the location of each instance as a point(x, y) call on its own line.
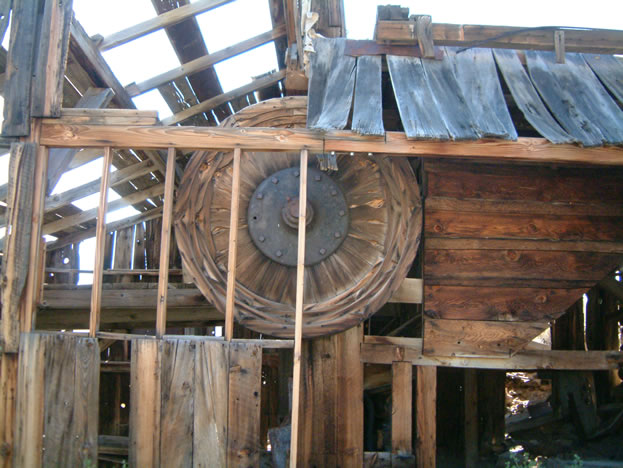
point(274, 211)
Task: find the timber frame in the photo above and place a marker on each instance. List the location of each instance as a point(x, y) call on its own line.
point(31, 359)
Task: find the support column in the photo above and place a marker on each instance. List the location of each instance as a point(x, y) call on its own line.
point(426, 401)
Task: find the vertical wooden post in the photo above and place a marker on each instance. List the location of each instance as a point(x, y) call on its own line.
point(470, 389)
point(233, 248)
point(402, 400)
point(426, 401)
point(165, 241)
point(100, 245)
point(298, 317)
point(33, 284)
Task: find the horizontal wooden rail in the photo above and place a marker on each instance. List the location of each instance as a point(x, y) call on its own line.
point(601, 41)
point(395, 143)
point(386, 350)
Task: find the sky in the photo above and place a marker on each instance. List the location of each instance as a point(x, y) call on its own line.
point(241, 19)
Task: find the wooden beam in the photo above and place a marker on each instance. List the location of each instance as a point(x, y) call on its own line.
point(209, 104)
point(76, 237)
point(88, 215)
point(169, 18)
point(232, 249)
point(165, 242)
point(599, 41)
point(298, 318)
point(100, 246)
point(426, 416)
point(94, 116)
point(402, 400)
point(385, 350)
point(204, 62)
point(536, 150)
point(54, 202)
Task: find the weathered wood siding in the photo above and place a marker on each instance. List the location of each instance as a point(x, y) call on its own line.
point(512, 243)
point(57, 401)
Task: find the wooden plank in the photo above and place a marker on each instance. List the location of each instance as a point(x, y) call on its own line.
point(522, 226)
point(178, 391)
point(245, 386)
point(212, 103)
point(498, 303)
point(349, 409)
point(478, 80)
point(359, 48)
point(520, 264)
point(20, 68)
point(604, 41)
point(76, 237)
point(165, 241)
point(145, 395)
point(478, 338)
point(232, 248)
point(17, 248)
point(298, 318)
point(60, 158)
point(86, 402)
point(448, 97)
point(88, 215)
point(609, 69)
point(70, 116)
point(409, 292)
point(527, 359)
point(535, 150)
point(561, 100)
point(368, 106)
point(33, 288)
point(527, 99)
point(205, 61)
point(96, 293)
point(58, 385)
point(161, 21)
point(426, 402)
point(49, 67)
point(331, 85)
point(377, 460)
point(121, 176)
point(211, 404)
point(419, 113)
point(402, 400)
point(8, 391)
point(29, 414)
point(470, 423)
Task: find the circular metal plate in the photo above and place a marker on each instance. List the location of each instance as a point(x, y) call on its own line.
point(272, 231)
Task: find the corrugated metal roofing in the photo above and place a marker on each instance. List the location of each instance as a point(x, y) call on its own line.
point(460, 97)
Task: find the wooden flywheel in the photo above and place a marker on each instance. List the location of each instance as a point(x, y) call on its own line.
point(363, 229)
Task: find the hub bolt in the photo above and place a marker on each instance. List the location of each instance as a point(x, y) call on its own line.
point(279, 253)
point(259, 196)
point(333, 193)
point(322, 251)
point(337, 235)
point(342, 212)
point(297, 173)
point(275, 180)
point(317, 178)
point(262, 238)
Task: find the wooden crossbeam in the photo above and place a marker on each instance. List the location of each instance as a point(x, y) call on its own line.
point(209, 104)
point(385, 350)
point(206, 61)
point(72, 116)
point(88, 215)
point(54, 202)
point(536, 150)
point(599, 41)
point(232, 250)
point(169, 18)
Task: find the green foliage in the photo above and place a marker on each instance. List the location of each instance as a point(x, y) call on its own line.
point(522, 460)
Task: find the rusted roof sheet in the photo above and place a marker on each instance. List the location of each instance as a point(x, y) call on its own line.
point(460, 97)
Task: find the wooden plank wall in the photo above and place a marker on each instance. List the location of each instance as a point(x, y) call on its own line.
point(195, 403)
point(508, 248)
point(57, 401)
